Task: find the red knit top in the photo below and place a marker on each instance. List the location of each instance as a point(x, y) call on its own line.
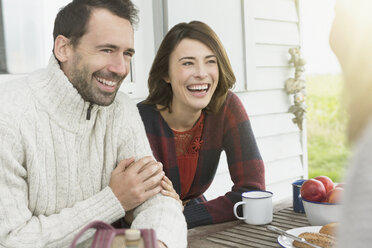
point(188, 144)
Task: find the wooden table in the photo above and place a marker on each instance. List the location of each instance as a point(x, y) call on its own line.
point(239, 234)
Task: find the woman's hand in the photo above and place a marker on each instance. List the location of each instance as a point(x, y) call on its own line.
point(168, 190)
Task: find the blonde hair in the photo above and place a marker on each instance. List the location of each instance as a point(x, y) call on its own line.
point(356, 61)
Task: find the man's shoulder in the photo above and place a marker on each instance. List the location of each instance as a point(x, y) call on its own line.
point(15, 84)
point(14, 93)
point(123, 104)
point(15, 100)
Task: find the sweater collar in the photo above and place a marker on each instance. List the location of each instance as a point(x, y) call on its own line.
point(60, 98)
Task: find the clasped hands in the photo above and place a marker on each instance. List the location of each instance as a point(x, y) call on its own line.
point(133, 182)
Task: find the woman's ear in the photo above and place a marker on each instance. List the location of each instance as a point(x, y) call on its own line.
point(167, 79)
point(62, 48)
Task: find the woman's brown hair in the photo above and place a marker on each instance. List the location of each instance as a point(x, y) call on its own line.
point(161, 91)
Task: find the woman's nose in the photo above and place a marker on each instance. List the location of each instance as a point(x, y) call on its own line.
point(200, 71)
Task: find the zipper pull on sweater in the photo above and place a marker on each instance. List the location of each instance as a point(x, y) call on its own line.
point(89, 110)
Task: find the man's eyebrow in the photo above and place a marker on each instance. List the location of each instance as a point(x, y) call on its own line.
point(108, 46)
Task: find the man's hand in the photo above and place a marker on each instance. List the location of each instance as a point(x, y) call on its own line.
point(135, 182)
point(168, 190)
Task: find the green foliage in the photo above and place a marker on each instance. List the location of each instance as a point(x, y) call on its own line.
point(326, 127)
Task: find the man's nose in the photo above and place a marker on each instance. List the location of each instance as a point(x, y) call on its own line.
point(119, 65)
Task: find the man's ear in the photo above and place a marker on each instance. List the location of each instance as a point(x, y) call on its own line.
point(62, 48)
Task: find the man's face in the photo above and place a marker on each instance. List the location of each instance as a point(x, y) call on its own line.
point(100, 61)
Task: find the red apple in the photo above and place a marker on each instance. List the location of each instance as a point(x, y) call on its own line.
point(328, 183)
point(313, 190)
point(334, 195)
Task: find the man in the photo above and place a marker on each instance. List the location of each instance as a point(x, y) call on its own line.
point(73, 149)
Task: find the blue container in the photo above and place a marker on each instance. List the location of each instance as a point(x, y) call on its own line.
point(297, 200)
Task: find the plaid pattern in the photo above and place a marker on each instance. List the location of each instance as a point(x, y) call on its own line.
point(228, 130)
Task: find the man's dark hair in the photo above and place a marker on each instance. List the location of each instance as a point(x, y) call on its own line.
point(71, 21)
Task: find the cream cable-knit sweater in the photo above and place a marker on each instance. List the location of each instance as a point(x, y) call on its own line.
point(55, 165)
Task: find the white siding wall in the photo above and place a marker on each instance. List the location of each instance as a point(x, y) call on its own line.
point(275, 27)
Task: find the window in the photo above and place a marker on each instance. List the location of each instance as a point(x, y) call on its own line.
point(27, 33)
point(2, 43)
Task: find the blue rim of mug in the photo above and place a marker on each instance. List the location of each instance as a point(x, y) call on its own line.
point(296, 183)
point(271, 194)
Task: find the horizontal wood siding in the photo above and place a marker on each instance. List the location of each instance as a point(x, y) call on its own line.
point(265, 102)
point(280, 146)
point(275, 27)
point(271, 78)
point(279, 10)
point(271, 28)
point(276, 33)
point(271, 55)
point(281, 170)
point(273, 124)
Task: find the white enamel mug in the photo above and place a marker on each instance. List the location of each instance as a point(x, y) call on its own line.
point(257, 207)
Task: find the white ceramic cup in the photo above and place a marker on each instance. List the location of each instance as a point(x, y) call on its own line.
point(257, 207)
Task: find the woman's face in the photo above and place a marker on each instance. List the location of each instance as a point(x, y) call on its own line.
point(193, 75)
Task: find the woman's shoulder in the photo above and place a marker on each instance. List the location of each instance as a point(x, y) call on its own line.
point(147, 110)
point(232, 102)
point(142, 106)
point(232, 98)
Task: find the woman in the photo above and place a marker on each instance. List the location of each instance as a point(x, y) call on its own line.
point(351, 39)
point(190, 117)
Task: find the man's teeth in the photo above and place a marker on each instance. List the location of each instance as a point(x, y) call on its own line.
point(198, 87)
point(106, 82)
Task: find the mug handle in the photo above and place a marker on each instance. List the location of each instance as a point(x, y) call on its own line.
point(235, 207)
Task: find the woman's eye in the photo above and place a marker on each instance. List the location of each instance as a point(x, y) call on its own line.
point(211, 61)
point(187, 63)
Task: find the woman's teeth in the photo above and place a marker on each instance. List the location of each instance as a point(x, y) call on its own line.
point(198, 87)
point(106, 82)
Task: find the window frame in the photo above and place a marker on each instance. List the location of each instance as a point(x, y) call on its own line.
point(3, 67)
